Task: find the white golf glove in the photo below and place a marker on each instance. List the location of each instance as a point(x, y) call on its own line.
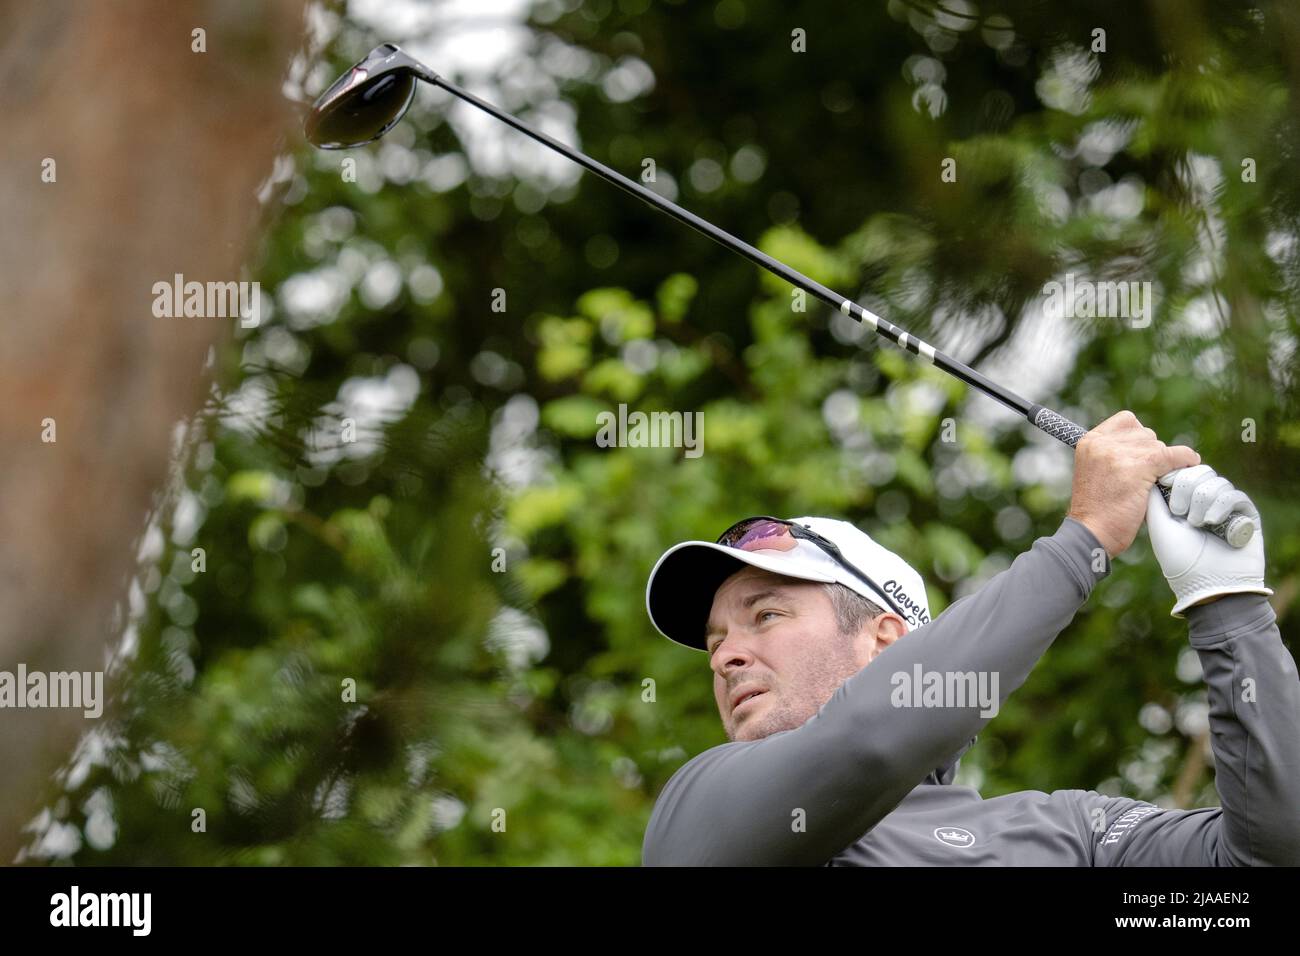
point(1196, 563)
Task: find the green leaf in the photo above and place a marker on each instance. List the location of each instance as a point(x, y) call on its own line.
point(914, 472)
point(801, 252)
point(565, 347)
point(675, 294)
point(620, 316)
point(542, 507)
point(677, 366)
point(612, 377)
point(540, 576)
point(258, 487)
point(265, 530)
point(574, 416)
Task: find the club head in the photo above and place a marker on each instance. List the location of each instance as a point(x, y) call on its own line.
point(367, 101)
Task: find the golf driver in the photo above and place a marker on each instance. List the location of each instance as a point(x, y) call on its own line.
point(367, 101)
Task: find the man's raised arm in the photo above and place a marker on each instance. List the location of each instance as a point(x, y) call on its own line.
point(1253, 690)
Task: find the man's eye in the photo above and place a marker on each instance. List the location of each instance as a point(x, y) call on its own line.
point(763, 614)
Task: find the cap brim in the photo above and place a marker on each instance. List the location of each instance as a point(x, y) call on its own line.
point(680, 592)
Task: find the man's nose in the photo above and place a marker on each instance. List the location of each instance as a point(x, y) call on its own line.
point(731, 654)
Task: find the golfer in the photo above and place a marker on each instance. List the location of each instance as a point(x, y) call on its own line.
point(816, 636)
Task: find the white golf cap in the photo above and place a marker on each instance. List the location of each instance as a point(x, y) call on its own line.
point(679, 594)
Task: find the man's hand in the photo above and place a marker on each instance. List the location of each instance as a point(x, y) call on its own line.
point(1199, 566)
point(1115, 467)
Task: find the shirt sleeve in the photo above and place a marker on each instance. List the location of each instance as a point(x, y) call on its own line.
point(1254, 697)
point(798, 797)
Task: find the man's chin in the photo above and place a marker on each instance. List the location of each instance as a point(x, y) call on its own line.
point(760, 724)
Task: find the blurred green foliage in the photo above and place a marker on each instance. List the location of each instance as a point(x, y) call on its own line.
point(507, 716)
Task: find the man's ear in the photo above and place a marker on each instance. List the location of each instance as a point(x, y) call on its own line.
point(888, 627)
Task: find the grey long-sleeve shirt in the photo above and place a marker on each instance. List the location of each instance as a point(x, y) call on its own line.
point(857, 784)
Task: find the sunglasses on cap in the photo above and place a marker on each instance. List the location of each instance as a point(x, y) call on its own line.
point(763, 532)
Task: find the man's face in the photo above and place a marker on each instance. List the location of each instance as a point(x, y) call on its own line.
point(779, 635)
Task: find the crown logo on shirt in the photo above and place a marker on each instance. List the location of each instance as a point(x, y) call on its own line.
point(955, 836)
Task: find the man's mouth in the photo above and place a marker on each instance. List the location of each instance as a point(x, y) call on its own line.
point(745, 698)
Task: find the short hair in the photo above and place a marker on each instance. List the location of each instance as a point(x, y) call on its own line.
point(852, 610)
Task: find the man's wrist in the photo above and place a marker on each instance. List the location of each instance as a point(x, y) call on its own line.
point(1092, 529)
point(1093, 562)
point(1209, 623)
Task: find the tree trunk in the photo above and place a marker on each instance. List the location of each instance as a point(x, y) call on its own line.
point(157, 152)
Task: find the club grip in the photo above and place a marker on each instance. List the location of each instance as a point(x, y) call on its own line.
point(1237, 530)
